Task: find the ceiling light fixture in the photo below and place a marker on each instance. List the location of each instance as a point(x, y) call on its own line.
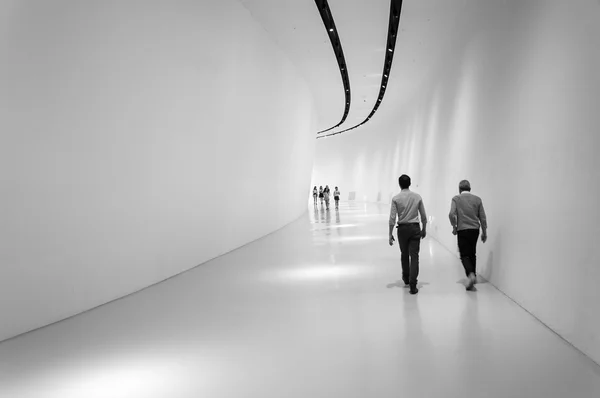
point(394, 21)
point(329, 24)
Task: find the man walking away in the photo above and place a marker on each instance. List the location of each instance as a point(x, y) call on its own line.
point(466, 215)
point(407, 206)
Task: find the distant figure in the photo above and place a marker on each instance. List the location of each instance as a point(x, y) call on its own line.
point(321, 194)
point(326, 196)
point(407, 206)
point(336, 197)
point(315, 194)
point(466, 215)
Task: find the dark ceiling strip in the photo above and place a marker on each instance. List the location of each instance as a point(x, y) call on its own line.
point(395, 10)
point(332, 32)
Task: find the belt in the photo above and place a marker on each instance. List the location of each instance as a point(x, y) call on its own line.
point(410, 223)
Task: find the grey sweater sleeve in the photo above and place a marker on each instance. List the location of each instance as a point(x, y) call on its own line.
point(482, 216)
point(453, 213)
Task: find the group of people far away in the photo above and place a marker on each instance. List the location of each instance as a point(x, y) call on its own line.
point(324, 194)
point(466, 217)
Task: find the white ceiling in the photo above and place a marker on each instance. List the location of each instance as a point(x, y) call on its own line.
point(296, 26)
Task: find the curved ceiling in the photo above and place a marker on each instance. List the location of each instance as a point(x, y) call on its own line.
point(362, 25)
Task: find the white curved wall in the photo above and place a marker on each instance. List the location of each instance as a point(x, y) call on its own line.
point(138, 140)
point(513, 107)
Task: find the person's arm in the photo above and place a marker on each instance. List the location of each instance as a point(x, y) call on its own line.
point(483, 221)
point(453, 216)
point(423, 219)
point(393, 213)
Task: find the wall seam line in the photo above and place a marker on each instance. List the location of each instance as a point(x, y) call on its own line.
point(597, 365)
point(153, 284)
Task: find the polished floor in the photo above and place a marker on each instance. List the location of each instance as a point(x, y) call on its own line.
point(316, 309)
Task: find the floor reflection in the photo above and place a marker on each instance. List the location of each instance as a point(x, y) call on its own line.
point(303, 312)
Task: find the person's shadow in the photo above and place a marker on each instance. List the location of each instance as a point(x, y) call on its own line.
point(493, 258)
point(400, 283)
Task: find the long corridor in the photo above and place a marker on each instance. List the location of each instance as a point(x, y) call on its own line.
point(314, 310)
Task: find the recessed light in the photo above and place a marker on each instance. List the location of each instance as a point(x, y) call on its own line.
point(331, 30)
point(390, 49)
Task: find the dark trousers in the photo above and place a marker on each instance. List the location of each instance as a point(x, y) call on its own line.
point(409, 238)
point(467, 245)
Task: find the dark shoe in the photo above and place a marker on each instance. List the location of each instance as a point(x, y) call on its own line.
point(413, 289)
point(471, 282)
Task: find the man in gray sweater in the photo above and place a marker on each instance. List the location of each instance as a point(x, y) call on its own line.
point(466, 216)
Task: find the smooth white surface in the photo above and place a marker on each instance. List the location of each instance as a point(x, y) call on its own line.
point(134, 138)
point(309, 311)
point(297, 28)
point(362, 26)
point(512, 108)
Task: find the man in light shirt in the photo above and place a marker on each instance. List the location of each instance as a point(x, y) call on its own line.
point(407, 206)
point(466, 216)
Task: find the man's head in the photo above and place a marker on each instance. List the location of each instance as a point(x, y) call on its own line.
point(464, 185)
point(404, 181)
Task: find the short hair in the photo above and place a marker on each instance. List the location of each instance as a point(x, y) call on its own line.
point(404, 181)
point(464, 185)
